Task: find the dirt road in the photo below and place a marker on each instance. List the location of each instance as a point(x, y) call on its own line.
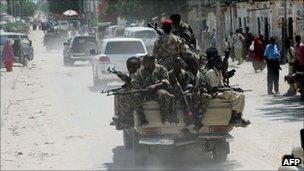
point(53, 118)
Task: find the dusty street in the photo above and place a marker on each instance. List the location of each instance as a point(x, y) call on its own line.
point(53, 118)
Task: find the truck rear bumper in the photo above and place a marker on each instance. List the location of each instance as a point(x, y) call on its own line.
point(170, 140)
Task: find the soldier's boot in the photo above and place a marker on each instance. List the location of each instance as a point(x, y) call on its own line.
point(238, 121)
point(142, 118)
point(165, 120)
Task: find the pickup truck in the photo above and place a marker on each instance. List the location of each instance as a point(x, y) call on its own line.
point(213, 137)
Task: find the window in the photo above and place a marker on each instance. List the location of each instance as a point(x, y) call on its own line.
point(146, 34)
point(240, 22)
point(128, 47)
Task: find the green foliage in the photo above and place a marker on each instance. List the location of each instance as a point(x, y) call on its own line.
point(43, 5)
point(17, 26)
point(21, 8)
point(59, 6)
point(146, 9)
point(3, 8)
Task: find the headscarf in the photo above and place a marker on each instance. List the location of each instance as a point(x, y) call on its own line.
point(8, 51)
point(258, 49)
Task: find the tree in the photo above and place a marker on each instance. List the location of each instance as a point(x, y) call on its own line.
point(145, 9)
point(59, 6)
point(3, 7)
point(43, 5)
point(21, 8)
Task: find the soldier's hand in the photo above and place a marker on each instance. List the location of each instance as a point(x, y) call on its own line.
point(151, 88)
point(238, 89)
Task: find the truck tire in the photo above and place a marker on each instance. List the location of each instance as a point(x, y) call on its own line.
point(65, 61)
point(220, 151)
point(140, 151)
point(127, 138)
point(25, 61)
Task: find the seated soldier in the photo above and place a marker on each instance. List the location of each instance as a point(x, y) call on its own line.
point(214, 80)
point(123, 103)
point(154, 78)
point(179, 83)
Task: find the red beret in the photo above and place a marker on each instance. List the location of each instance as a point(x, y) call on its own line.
point(166, 22)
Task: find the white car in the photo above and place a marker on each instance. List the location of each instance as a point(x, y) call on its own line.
point(147, 34)
point(114, 52)
point(63, 25)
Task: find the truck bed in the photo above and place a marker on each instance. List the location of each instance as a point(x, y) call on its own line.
point(217, 115)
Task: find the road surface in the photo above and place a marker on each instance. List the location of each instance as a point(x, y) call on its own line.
point(53, 118)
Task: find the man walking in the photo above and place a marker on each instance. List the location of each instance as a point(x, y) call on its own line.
point(272, 57)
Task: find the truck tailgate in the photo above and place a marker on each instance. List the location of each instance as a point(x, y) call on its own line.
point(218, 113)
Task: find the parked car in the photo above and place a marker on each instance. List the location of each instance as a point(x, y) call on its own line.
point(148, 35)
point(114, 52)
point(79, 48)
point(114, 31)
point(63, 25)
point(23, 48)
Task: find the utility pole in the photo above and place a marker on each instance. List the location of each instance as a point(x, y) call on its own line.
point(218, 23)
point(285, 31)
point(200, 22)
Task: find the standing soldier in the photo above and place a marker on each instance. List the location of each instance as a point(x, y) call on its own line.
point(168, 47)
point(183, 30)
point(154, 78)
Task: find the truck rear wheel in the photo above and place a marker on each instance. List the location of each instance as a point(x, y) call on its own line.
point(25, 61)
point(127, 138)
point(220, 151)
point(140, 151)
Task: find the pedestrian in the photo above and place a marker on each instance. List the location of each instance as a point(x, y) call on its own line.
point(291, 69)
point(238, 46)
point(248, 39)
point(272, 57)
point(256, 55)
point(213, 38)
point(206, 39)
point(299, 54)
point(230, 44)
point(8, 55)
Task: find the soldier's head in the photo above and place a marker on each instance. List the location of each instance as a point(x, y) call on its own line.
point(178, 64)
point(176, 19)
point(149, 62)
point(217, 61)
point(298, 39)
point(166, 25)
point(133, 63)
point(214, 59)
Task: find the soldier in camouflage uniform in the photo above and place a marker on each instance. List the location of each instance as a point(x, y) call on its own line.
point(123, 104)
point(183, 30)
point(169, 46)
point(154, 78)
point(180, 82)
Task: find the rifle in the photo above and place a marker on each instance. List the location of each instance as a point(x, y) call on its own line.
point(226, 74)
point(183, 95)
point(124, 92)
point(120, 75)
point(158, 31)
point(111, 90)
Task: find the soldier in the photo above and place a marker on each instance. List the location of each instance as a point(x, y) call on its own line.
point(168, 46)
point(183, 30)
point(214, 80)
point(123, 103)
point(154, 78)
point(180, 82)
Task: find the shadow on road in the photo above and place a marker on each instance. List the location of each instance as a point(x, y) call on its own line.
point(280, 108)
point(169, 159)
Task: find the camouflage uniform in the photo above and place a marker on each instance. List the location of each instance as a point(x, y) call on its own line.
point(201, 98)
point(185, 32)
point(144, 79)
point(168, 47)
point(123, 108)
